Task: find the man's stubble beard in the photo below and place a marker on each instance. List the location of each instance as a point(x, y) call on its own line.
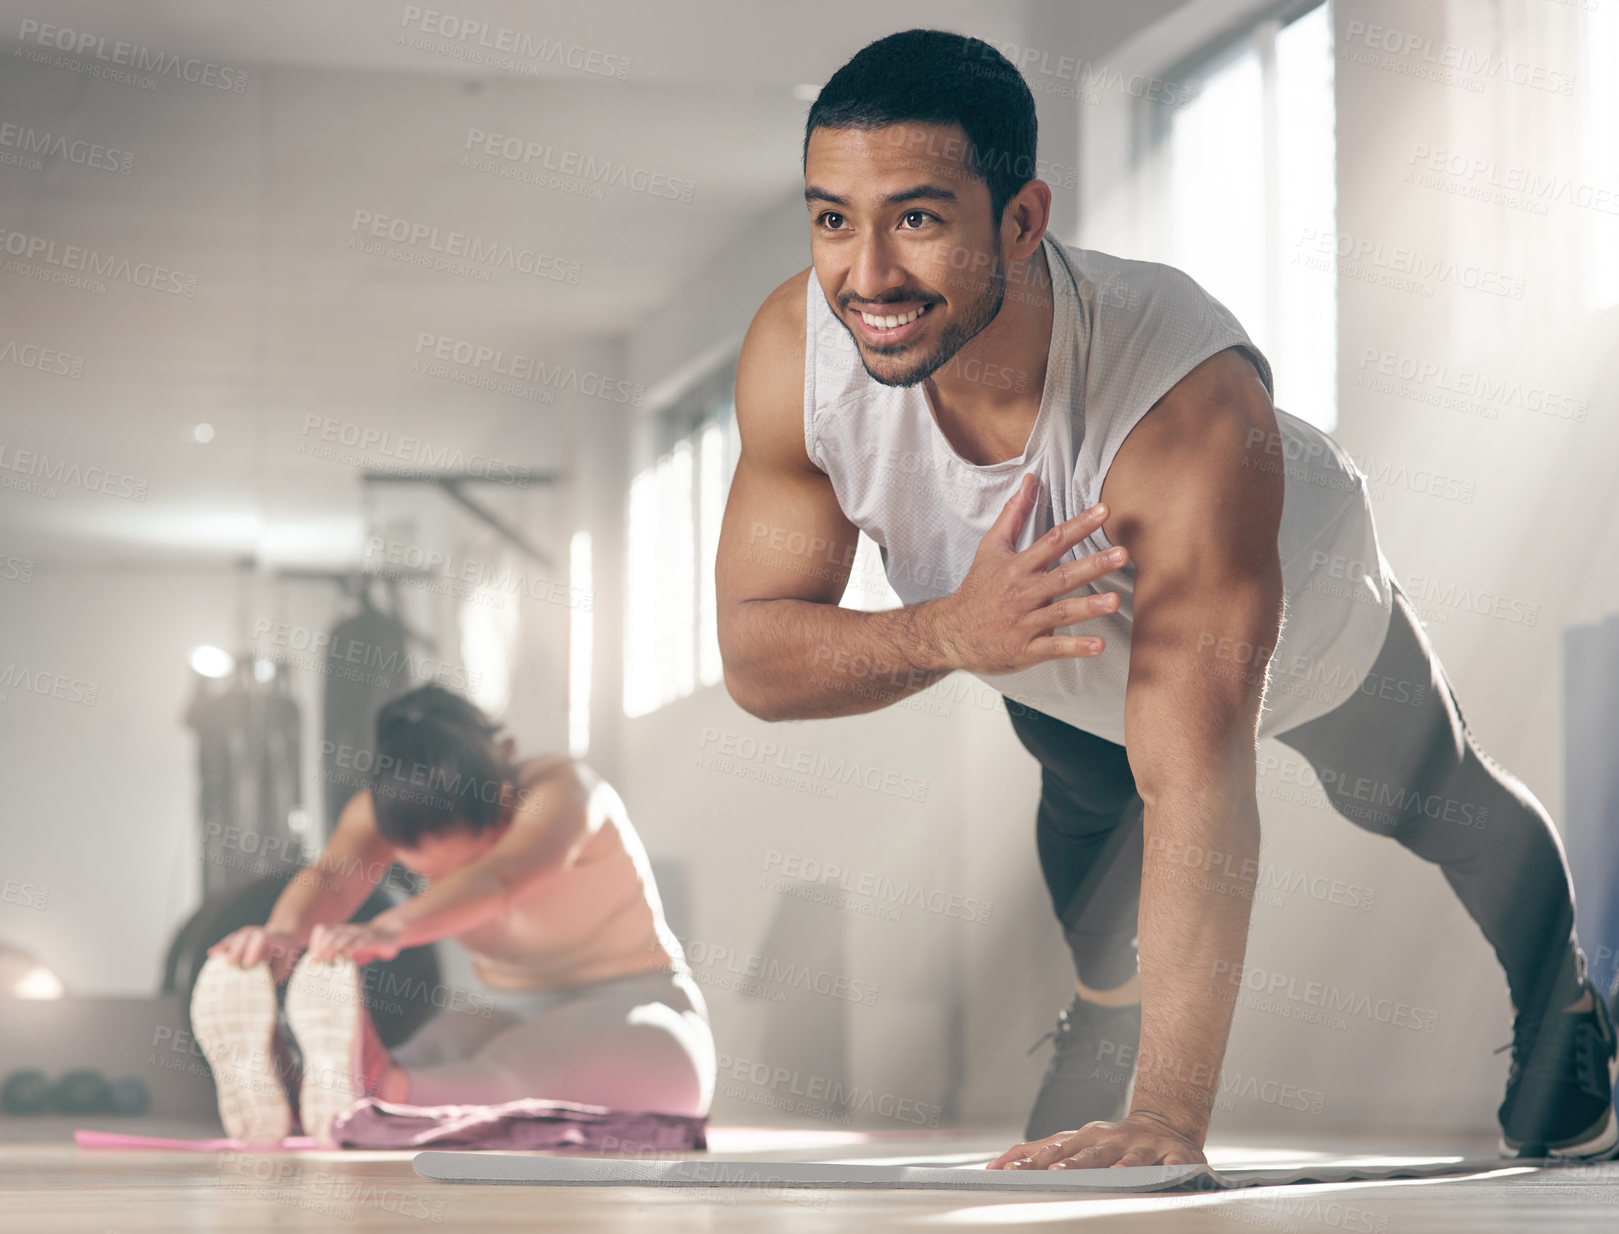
point(956, 334)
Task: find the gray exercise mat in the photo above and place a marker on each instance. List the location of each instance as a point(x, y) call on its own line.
point(484, 1167)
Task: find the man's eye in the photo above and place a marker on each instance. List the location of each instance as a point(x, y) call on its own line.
point(915, 218)
point(832, 221)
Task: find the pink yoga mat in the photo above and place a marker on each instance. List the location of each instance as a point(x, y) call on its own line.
point(85, 1137)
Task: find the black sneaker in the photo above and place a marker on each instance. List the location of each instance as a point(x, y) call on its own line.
point(1559, 1100)
point(1092, 1063)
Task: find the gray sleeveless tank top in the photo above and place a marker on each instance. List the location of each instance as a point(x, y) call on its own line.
point(1123, 333)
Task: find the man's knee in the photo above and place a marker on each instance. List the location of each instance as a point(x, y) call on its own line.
point(1104, 963)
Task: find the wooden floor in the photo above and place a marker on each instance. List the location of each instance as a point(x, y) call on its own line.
point(48, 1185)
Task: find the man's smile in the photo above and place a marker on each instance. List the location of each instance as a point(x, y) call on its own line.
point(890, 323)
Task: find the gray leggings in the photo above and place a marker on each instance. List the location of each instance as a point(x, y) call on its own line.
point(1396, 759)
point(634, 1043)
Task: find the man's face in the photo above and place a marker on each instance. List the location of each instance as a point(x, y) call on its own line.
point(903, 244)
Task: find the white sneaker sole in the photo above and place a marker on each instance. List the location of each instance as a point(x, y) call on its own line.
point(1599, 1147)
point(233, 1020)
point(323, 1010)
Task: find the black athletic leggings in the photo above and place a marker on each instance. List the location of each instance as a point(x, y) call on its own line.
point(1404, 769)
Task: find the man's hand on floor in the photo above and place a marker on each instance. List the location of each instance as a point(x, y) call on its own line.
point(1139, 1139)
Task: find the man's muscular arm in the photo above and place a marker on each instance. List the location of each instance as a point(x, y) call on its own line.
point(1199, 502)
point(786, 550)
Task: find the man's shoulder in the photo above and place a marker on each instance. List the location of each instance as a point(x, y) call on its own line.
point(770, 374)
point(1149, 316)
point(778, 325)
point(1214, 432)
point(1131, 284)
point(1210, 431)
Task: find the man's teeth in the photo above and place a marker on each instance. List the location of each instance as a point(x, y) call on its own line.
point(888, 323)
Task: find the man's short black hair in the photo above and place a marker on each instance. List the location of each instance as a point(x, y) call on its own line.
point(438, 767)
point(935, 77)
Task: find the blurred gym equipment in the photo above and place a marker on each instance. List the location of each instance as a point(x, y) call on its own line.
point(83, 1090)
point(26, 1091)
point(247, 727)
point(129, 1096)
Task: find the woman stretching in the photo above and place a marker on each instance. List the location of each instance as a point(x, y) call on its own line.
point(534, 868)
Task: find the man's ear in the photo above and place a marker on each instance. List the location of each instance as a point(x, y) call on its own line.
point(508, 748)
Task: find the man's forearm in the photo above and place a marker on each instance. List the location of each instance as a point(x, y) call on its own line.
point(1193, 935)
point(798, 660)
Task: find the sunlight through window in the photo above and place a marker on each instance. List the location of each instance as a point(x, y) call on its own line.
point(671, 610)
point(640, 597)
point(711, 485)
point(581, 643)
point(1251, 166)
point(1601, 154)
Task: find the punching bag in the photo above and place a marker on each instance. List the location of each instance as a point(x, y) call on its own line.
point(366, 665)
point(248, 773)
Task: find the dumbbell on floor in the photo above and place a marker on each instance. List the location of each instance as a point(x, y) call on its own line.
point(83, 1090)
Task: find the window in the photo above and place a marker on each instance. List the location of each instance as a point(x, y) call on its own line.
point(671, 612)
point(671, 627)
point(1246, 176)
point(1599, 84)
point(676, 574)
point(581, 643)
point(643, 691)
point(489, 639)
point(712, 477)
